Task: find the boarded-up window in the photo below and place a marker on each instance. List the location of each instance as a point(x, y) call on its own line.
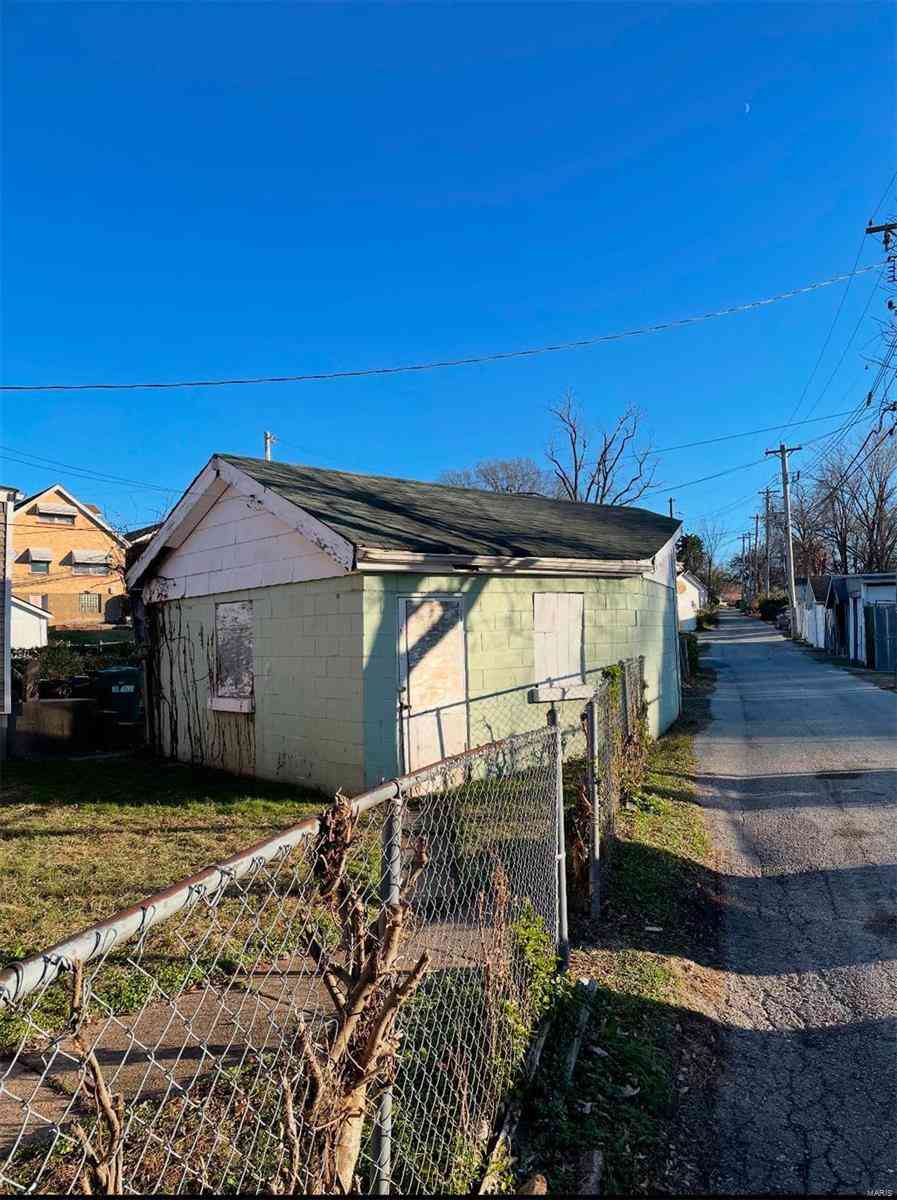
point(557, 625)
point(233, 640)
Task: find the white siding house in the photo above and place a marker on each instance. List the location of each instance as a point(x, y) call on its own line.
point(811, 595)
point(691, 595)
point(28, 624)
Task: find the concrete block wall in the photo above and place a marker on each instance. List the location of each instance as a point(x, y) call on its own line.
point(308, 724)
point(622, 617)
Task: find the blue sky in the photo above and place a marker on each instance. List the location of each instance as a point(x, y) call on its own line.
point(207, 190)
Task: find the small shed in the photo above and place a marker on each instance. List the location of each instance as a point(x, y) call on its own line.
point(691, 596)
point(28, 624)
point(335, 629)
point(811, 593)
point(861, 619)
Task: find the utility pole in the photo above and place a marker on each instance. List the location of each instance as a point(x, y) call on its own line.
point(887, 230)
point(270, 439)
point(783, 452)
point(757, 552)
point(744, 586)
point(766, 493)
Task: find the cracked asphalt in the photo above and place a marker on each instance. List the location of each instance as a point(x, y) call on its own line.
point(798, 773)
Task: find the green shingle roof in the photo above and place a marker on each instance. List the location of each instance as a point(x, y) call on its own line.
point(382, 513)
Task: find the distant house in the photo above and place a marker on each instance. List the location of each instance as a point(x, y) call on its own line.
point(28, 625)
point(335, 629)
point(691, 595)
point(67, 559)
point(861, 619)
point(138, 540)
point(811, 594)
point(7, 509)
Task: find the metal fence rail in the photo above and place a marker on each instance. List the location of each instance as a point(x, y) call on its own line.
point(342, 1007)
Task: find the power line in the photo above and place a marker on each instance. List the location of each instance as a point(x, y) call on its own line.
point(438, 364)
point(13, 455)
point(728, 471)
point(831, 329)
point(850, 469)
point(749, 432)
point(856, 327)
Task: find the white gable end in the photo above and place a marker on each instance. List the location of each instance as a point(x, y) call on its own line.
point(237, 544)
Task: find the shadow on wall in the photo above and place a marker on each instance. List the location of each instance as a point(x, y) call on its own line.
point(491, 715)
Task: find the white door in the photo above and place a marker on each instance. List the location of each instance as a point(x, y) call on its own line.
point(432, 679)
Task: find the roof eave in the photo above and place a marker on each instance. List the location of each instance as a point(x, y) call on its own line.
point(371, 559)
point(206, 489)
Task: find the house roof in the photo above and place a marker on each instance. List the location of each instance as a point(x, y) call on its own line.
point(89, 510)
point(692, 578)
point(28, 607)
point(380, 512)
point(842, 586)
point(144, 532)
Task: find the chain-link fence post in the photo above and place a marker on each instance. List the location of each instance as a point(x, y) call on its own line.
point(563, 935)
point(390, 890)
point(624, 698)
point(594, 795)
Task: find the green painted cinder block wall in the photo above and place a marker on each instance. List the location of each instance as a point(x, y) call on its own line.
point(623, 618)
point(308, 721)
point(326, 669)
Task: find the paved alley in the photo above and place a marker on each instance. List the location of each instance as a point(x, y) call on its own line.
point(797, 770)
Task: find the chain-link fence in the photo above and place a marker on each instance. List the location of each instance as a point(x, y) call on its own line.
point(614, 748)
point(343, 1007)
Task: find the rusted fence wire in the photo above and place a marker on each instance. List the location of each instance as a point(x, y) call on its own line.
point(343, 1007)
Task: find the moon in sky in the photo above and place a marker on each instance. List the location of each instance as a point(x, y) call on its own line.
point(747, 109)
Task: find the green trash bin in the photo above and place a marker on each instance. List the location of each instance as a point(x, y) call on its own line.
point(120, 690)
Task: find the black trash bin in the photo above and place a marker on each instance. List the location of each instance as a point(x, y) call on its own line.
point(120, 690)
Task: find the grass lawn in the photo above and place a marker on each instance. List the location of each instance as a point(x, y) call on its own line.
point(81, 839)
point(640, 1050)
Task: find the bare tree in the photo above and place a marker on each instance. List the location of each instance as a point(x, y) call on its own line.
point(712, 535)
point(811, 556)
point(608, 469)
point(872, 495)
point(511, 475)
point(836, 519)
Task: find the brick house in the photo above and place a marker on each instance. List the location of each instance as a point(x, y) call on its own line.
point(335, 629)
point(65, 558)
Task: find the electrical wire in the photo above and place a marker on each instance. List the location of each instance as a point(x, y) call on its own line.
point(831, 329)
point(438, 364)
point(749, 433)
point(850, 469)
point(856, 328)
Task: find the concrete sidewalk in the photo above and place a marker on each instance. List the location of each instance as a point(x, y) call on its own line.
point(798, 773)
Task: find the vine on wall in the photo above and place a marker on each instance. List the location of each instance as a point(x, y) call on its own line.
point(180, 675)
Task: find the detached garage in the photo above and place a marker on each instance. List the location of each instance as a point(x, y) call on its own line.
point(335, 629)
